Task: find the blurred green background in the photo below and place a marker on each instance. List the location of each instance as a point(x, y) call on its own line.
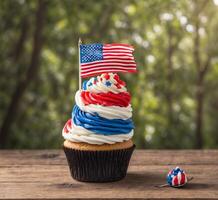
point(174, 93)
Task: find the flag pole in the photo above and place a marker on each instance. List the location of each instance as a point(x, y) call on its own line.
point(80, 79)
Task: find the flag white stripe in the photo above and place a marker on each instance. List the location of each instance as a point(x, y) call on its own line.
point(117, 50)
point(109, 67)
point(121, 59)
point(118, 47)
point(105, 68)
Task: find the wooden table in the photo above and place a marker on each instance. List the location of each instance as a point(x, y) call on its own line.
point(44, 174)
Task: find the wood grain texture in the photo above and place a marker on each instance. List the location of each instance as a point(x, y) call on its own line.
point(45, 175)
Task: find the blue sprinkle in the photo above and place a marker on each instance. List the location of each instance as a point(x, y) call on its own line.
point(90, 84)
point(108, 83)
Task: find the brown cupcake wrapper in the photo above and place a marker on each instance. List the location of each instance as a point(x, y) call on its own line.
point(98, 166)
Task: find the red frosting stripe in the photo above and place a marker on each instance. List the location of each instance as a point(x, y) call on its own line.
point(68, 123)
point(106, 99)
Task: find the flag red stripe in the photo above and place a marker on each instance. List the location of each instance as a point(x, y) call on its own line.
point(109, 70)
point(108, 64)
point(120, 58)
point(117, 45)
point(109, 67)
point(117, 49)
point(85, 75)
point(119, 53)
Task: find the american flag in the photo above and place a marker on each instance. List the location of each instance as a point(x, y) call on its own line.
point(100, 58)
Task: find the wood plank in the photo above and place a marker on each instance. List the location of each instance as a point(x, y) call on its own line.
point(41, 175)
point(141, 157)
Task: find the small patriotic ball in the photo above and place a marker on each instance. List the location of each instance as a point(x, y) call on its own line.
point(176, 177)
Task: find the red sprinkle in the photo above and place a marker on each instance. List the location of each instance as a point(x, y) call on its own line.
point(118, 85)
point(116, 77)
point(107, 76)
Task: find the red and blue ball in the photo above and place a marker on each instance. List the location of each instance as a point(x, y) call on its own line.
point(177, 177)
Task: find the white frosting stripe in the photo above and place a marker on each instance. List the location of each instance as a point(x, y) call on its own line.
point(100, 86)
point(108, 112)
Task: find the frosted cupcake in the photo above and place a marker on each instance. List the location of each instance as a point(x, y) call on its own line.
point(98, 143)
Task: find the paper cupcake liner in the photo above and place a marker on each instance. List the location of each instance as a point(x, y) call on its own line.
point(98, 166)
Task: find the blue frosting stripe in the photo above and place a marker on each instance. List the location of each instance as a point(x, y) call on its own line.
point(84, 85)
point(100, 125)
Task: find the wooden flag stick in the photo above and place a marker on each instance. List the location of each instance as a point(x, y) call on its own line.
point(80, 79)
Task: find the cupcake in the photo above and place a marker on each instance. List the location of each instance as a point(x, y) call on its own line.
point(98, 143)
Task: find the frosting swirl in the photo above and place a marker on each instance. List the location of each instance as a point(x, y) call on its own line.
point(100, 84)
point(109, 112)
point(102, 113)
point(79, 134)
point(101, 125)
point(106, 99)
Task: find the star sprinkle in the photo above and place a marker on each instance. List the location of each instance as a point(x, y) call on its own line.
point(108, 83)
